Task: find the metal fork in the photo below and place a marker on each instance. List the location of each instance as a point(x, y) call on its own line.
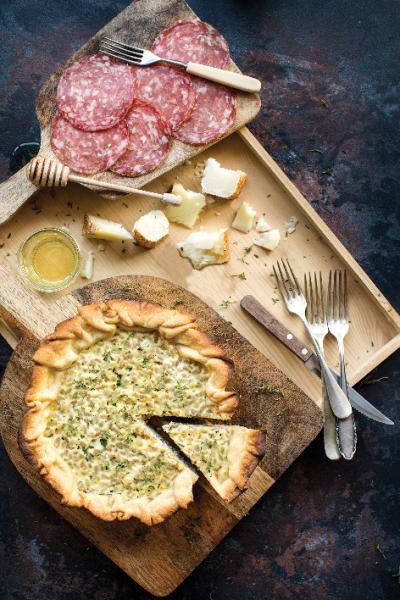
point(143, 58)
point(338, 324)
point(296, 304)
point(316, 316)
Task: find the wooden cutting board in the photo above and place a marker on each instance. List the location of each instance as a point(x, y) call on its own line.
point(159, 558)
point(138, 25)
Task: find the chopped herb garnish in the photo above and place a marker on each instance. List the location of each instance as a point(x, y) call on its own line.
point(176, 301)
point(317, 150)
point(327, 171)
point(103, 442)
point(227, 303)
point(240, 276)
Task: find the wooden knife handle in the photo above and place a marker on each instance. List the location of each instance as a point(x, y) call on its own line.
point(14, 193)
point(260, 314)
point(229, 78)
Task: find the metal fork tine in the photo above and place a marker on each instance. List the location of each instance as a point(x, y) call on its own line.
point(341, 296)
point(306, 297)
point(281, 282)
point(290, 282)
point(335, 296)
point(346, 316)
point(329, 299)
point(131, 61)
point(322, 297)
point(116, 43)
point(119, 48)
point(317, 303)
point(294, 277)
point(312, 303)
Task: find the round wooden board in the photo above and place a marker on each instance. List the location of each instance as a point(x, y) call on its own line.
point(159, 558)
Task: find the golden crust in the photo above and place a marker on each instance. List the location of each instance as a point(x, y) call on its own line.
point(61, 349)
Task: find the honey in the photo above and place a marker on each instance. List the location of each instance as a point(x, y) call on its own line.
point(50, 259)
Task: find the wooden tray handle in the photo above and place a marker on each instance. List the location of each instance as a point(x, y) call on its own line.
point(14, 193)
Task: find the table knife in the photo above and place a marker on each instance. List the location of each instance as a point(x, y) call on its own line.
point(310, 361)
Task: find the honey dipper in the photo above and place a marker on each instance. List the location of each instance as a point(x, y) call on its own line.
point(46, 172)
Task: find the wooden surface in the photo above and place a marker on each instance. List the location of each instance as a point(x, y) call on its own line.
point(138, 25)
point(374, 332)
point(160, 557)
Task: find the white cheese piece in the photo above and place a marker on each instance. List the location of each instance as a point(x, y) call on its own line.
point(205, 248)
point(269, 239)
point(291, 225)
point(244, 218)
point(103, 229)
point(262, 225)
point(87, 266)
point(188, 212)
point(224, 183)
point(151, 228)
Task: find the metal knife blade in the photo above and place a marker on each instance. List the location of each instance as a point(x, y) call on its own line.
point(280, 331)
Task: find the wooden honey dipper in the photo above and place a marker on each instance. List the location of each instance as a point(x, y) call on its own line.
point(46, 172)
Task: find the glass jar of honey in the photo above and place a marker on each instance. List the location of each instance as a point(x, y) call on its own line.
point(50, 259)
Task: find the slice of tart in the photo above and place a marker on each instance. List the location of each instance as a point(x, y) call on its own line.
point(225, 454)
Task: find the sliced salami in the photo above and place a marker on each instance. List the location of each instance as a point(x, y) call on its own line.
point(213, 114)
point(168, 89)
point(88, 151)
point(193, 41)
point(95, 92)
point(149, 141)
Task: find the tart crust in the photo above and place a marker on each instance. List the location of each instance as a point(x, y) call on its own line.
point(60, 350)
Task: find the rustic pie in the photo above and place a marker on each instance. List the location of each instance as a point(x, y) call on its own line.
point(96, 381)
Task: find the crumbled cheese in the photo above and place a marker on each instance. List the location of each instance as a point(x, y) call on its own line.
point(262, 225)
point(96, 227)
point(188, 212)
point(221, 182)
point(244, 218)
point(151, 228)
point(269, 239)
point(87, 266)
point(206, 248)
point(290, 226)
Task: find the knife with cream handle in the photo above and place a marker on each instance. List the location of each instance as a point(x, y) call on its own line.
point(260, 314)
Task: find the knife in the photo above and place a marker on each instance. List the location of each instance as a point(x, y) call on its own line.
point(265, 318)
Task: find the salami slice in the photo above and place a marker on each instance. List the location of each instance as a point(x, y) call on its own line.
point(95, 92)
point(87, 151)
point(213, 114)
point(168, 89)
point(193, 41)
point(149, 141)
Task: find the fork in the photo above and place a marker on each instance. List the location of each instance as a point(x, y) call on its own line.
point(143, 58)
point(338, 324)
point(293, 297)
point(316, 316)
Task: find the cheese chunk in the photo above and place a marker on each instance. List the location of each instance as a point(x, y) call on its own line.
point(188, 212)
point(221, 182)
point(87, 266)
point(103, 229)
point(268, 240)
point(205, 248)
point(244, 218)
point(151, 228)
point(262, 225)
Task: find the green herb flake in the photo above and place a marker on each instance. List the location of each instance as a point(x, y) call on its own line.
point(177, 301)
point(240, 276)
point(103, 442)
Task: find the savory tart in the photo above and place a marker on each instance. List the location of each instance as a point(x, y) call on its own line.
point(225, 454)
point(95, 381)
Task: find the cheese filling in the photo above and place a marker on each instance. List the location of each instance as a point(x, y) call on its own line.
point(95, 422)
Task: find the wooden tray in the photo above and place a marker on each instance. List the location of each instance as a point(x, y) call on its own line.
point(159, 560)
point(138, 25)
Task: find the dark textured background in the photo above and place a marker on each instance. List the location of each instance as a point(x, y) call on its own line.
point(331, 82)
